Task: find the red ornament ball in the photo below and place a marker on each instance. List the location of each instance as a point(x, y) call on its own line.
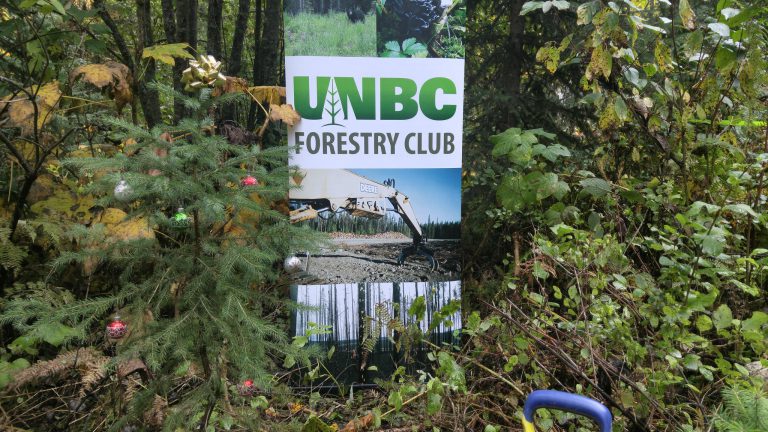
point(246, 388)
point(249, 181)
point(116, 329)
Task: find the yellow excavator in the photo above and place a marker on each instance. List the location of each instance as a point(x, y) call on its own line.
point(325, 192)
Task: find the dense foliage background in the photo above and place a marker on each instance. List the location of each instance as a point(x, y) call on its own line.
point(614, 219)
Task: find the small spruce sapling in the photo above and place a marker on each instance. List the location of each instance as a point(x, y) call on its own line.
point(202, 294)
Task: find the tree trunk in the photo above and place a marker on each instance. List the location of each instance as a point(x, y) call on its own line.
point(150, 101)
point(258, 24)
point(182, 22)
point(514, 63)
point(235, 63)
point(125, 56)
point(169, 21)
point(186, 31)
point(267, 67)
point(21, 201)
point(172, 36)
point(215, 22)
point(238, 39)
point(269, 54)
point(192, 6)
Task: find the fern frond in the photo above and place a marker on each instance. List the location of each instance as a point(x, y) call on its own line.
point(11, 255)
point(90, 364)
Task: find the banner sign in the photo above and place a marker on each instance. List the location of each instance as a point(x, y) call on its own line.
point(380, 89)
point(377, 113)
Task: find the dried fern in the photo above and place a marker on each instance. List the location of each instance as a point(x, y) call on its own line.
point(155, 415)
point(90, 363)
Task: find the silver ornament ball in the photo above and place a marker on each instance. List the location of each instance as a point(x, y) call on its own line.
point(123, 191)
point(292, 264)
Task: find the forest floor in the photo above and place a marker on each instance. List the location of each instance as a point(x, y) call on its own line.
point(370, 260)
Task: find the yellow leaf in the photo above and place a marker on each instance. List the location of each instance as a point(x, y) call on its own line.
point(21, 109)
point(111, 76)
point(112, 216)
point(550, 56)
point(687, 15)
point(272, 95)
point(65, 205)
point(600, 63)
point(285, 113)
point(131, 229)
point(295, 407)
point(167, 53)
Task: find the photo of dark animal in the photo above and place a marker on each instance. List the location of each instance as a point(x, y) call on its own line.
point(355, 15)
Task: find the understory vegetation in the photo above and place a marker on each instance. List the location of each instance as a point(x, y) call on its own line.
point(614, 221)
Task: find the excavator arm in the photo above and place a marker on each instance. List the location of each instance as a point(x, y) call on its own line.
point(318, 192)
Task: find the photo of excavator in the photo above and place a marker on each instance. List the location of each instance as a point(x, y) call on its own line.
point(323, 193)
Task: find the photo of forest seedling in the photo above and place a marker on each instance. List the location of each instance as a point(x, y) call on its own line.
point(386, 225)
point(363, 325)
point(344, 28)
point(421, 28)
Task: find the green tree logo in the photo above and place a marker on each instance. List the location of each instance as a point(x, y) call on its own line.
point(333, 104)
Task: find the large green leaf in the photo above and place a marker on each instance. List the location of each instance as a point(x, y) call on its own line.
point(517, 192)
point(434, 403)
point(722, 317)
point(755, 322)
point(55, 333)
point(596, 187)
point(712, 245)
point(721, 29)
point(531, 6)
point(551, 152)
point(413, 48)
point(167, 53)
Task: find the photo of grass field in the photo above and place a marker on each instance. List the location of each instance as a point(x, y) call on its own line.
point(330, 34)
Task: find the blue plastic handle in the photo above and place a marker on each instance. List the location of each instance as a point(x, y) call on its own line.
point(573, 403)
